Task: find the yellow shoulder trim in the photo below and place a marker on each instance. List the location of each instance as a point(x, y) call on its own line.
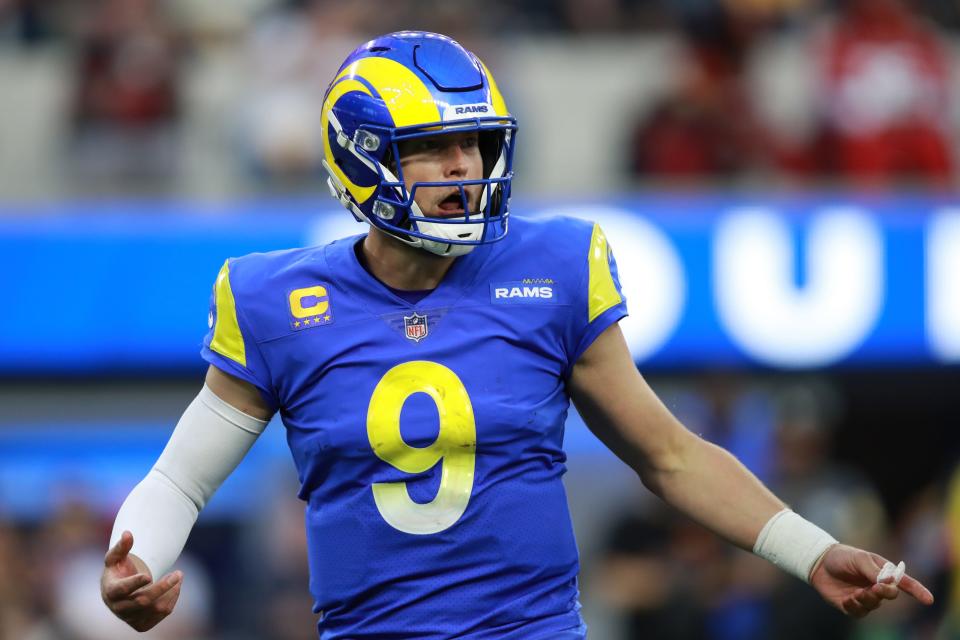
point(227, 339)
point(602, 292)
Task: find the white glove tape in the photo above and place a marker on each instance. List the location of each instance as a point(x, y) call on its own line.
point(792, 543)
point(890, 569)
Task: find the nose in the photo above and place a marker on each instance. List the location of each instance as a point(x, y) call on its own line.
point(455, 162)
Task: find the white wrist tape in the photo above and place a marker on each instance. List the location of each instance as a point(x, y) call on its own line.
point(210, 440)
point(792, 543)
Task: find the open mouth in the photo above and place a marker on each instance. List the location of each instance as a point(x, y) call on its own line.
point(451, 206)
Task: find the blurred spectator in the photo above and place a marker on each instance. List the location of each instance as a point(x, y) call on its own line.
point(281, 574)
point(127, 96)
point(293, 54)
point(923, 543)
point(703, 129)
point(834, 496)
point(638, 577)
point(885, 80)
point(592, 15)
point(740, 418)
point(944, 13)
point(671, 578)
point(530, 16)
point(28, 22)
point(951, 622)
point(731, 412)
point(16, 614)
point(463, 20)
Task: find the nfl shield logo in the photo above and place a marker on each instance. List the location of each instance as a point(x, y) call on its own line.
point(415, 327)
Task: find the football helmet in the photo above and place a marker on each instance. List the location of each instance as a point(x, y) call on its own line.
point(407, 85)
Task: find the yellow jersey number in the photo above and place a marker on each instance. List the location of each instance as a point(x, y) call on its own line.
point(455, 446)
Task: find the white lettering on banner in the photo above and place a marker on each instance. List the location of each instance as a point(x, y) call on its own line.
point(943, 285)
point(651, 275)
point(778, 323)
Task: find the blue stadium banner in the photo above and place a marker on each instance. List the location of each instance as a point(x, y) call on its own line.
point(711, 280)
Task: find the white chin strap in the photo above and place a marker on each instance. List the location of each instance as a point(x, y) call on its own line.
point(470, 231)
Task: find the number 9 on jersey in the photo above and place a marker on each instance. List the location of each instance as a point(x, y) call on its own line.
point(455, 446)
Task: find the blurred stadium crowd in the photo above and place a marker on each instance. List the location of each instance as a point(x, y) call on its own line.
point(760, 92)
point(148, 92)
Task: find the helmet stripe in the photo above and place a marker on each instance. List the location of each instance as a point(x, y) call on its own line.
point(407, 98)
point(337, 91)
point(499, 106)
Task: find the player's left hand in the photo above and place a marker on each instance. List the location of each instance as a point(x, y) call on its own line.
point(847, 578)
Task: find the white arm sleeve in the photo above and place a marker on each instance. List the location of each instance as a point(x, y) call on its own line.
point(207, 445)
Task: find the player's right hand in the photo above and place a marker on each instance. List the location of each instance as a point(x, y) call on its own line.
point(128, 590)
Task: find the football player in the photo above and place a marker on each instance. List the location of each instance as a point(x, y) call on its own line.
point(423, 373)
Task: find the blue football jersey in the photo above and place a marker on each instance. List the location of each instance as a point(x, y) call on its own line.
point(428, 437)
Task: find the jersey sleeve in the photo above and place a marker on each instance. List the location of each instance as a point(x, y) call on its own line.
point(230, 344)
point(598, 300)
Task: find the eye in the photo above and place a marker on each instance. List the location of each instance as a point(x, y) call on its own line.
point(418, 146)
point(470, 142)
point(426, 144)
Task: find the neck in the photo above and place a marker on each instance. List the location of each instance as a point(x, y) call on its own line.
point(403, 267)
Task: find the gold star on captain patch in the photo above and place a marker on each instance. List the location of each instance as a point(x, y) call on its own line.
point(326, 318)
point(297, 323)
point(307, 321)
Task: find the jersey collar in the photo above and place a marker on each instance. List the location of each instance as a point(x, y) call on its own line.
point(350, 275)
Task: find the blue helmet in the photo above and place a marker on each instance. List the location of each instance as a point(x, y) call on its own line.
point(406, 85)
